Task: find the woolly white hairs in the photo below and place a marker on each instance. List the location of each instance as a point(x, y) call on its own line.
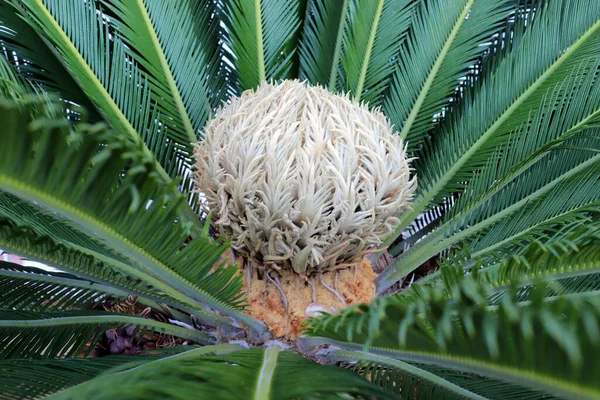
point(298, 177)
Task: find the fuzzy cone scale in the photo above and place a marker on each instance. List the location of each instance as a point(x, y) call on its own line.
point(300, 178)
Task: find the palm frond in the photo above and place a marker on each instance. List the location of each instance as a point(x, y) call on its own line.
point(576, 258)
point(399, 378)
point(575, 109)
point(33, 289)
point(122, 202)
point(260, 36)
point(177, 44)
point(106, 69)
point(561, 136)
point(117, 278)
point(11, 84)
point(508, 342)
point(321, 43)
point(27, 334)
point(445, 39)
point(486, 119)
point(250, 374)
point(32, 58)
point(371, 43)
point(34, 378)
point(525, 208)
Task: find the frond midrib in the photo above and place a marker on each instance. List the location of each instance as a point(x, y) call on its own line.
point(164, 65)
point(267, 371)
point(435, 68)
point(365, 64)
point(172, 281)
point(423, 199)
point(338, 48)
point(55, 321)
point(129, 129)
point(468, 364)
point(262, 75)
point(420, 255)
point(393, 362)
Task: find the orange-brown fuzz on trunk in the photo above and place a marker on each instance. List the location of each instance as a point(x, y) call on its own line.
point(355, 285)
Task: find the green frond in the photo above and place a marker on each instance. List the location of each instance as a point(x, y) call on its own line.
point(122, 202)
point(445, 40)
point(371, 43)
point(34, 61)
point(319, 57)
point(33, 289)
point(27, 334)
point(486, 119)
point(249, 374)
point(11, 84)
point(260, 36)
point(398, 377)
point(177, 44)
point(107, 71)
point(562, 136)
point(579, 258)
point(33, 378)
point(115, 277)
point(509, 342)
point(553, 194)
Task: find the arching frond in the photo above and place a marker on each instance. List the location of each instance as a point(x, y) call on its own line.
point(27, 334)
point(32, 58)
point(249, 374)
point(373, 34)
point(319, 57)
point(555, 193)
point(486, 118)
point(509, 342)
point(33, 289)
point(106, 69)
point(562, 135)
point(33, 378)
point(122, 202)
point(445, 40)
point(177, 45)
point(115, 277)
point(260, 38)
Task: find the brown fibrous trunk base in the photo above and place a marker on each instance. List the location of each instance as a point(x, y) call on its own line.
point(283, 300)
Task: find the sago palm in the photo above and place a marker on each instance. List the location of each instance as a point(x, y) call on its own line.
point(128, 129)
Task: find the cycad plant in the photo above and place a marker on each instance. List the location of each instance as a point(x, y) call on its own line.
point(497, 103)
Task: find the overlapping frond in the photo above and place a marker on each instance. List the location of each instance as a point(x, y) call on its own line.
point(486, 118)
point(321, 42)
point(115, 276)
point(365, 41)
point(260, 38)
point(560, 139)
point(176, 43)
point(553, 195)
point(458, 330)
point(32, 378)
point(122, 202)
point(249, 374)
point(34, 61)
point(445, 41)
point(373, 34)
point(33, 289)
point(398, 377)
point(27, 334)
point(108, 72)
